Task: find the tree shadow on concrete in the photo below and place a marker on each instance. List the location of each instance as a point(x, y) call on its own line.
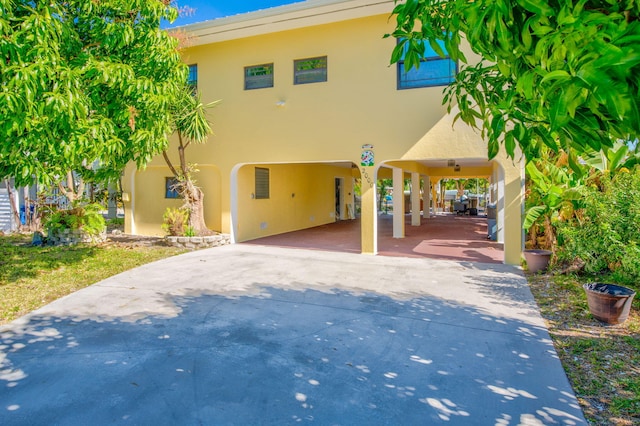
point(285, 357)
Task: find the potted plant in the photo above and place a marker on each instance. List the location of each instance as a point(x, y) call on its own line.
point(609, 303)
point(537, 260)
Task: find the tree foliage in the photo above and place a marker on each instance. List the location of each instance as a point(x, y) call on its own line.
point(556, 193)
point(560, 73)
point(603, 232)
point(84, 81)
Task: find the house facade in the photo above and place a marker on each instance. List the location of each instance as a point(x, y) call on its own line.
point(310, 112)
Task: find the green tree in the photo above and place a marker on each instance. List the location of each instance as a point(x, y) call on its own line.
point(558, 73)
point(84, 82)
point(191, 125)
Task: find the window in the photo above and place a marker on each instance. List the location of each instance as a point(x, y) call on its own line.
point(192, 80)
point(258, 76)
point(170, 187)
point(262, 183)
point(310, 70)
point(434, 70)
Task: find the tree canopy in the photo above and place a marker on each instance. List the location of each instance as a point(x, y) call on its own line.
point(560, 73)
point(84, 81)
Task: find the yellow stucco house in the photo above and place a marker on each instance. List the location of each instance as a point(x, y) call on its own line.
point(309, 106)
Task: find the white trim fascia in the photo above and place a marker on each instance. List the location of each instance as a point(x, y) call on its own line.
point(282, 18)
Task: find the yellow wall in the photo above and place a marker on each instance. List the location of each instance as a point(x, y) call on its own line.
point(301, 196)
point(147, 190)
point(320, 122)
point(329, 121)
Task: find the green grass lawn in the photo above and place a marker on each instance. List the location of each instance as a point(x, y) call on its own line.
point(31, 277)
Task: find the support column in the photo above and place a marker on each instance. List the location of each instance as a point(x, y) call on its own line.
point(368, 213)
point(398, 203)
point(513, 193)
point(426, 197)
point(501, 205)
point(435, 189)
point(415, 199)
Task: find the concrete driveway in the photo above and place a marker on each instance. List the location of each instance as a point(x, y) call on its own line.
point(247, 334)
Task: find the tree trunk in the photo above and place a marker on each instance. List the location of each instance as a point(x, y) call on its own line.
point(194, 201)
point(549, 234)
point(70, 190)
point(460, 184)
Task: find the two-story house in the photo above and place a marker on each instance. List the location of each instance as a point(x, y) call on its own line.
point(310, 105)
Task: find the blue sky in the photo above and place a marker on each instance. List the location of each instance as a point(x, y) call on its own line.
point(206, 10)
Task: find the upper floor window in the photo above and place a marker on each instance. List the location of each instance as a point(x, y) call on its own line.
point(310, 70)
point(434, 70)
point(192, 80)
point(258, 76)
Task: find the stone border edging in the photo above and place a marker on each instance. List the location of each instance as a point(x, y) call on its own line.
point(198, 242)
point(70, 237)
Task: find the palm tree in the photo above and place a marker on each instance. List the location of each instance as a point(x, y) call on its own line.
point(191, 125)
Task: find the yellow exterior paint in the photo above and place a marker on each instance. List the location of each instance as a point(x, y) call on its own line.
point(301, 196)
point(306, 134)
point(147, 189)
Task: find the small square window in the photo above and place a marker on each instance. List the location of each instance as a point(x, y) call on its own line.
point(171, 188)
point(262, 183)
point(258, 76)
point(192, 80)
point(310, 70)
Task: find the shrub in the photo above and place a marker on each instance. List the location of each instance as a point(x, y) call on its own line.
point(605, 234)
point(87, 218)
point(174, 221)
point(116, 221)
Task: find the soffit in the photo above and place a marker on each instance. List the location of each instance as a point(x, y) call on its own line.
point(282, 18)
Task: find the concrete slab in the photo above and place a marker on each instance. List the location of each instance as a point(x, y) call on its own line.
point(264, 335)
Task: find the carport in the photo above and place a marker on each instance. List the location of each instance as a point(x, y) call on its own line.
point(301, 208)
point(442, 236)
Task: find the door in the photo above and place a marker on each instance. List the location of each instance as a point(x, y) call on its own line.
point(339, 203)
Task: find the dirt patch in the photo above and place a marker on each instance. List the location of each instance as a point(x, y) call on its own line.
point(116, 236)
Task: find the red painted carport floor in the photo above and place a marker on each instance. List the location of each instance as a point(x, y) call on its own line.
point(443, 236)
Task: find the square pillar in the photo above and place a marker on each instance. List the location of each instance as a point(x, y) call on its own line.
point(426, 197)
point(398, 203)
point(369, 212)
point(415, 199)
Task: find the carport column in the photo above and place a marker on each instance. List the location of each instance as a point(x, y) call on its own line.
point(368, 212)
point(513, 212)
point(501, 204)
point(398, 203)
point(415, 199)
point(426, 197)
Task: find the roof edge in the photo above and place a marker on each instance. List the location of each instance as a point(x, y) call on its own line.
point(282, 18)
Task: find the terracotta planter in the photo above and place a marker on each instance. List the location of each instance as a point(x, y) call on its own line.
point(537, 260)
point(609, 303)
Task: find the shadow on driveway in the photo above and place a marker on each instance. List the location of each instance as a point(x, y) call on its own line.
point(284, 356)
point(282, 351)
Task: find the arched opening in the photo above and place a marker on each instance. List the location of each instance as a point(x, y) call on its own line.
point(272, 203)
